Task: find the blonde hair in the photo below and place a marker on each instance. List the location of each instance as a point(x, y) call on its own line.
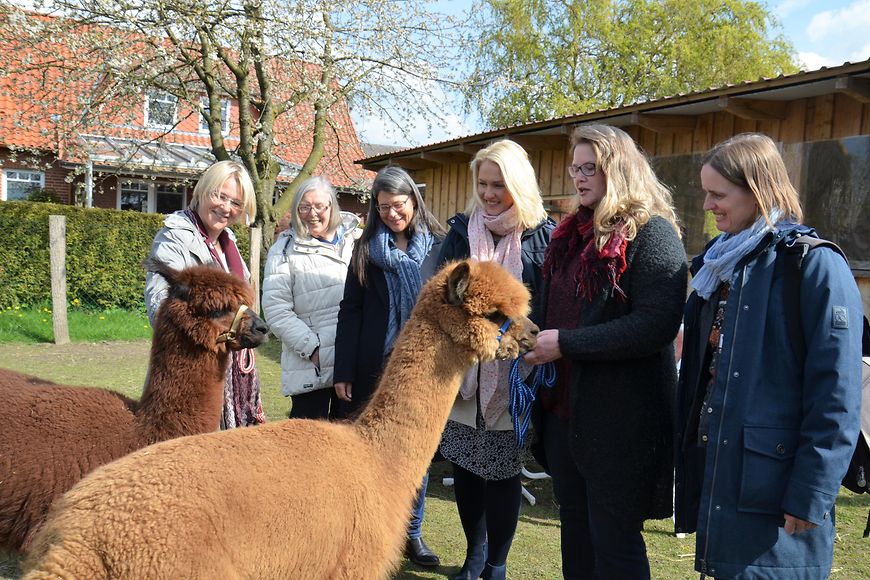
point(519, 179)
point(752, 161)
point(634, 193)
point(214, 178)
point(315, 183)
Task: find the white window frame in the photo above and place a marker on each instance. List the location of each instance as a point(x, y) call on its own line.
point(176, 189)
point(226, 109)
point(16, 175)
point(161, 97)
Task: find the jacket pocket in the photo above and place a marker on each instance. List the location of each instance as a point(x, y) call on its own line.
point(768, 458)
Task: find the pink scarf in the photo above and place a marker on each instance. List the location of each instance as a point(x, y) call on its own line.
point(490, 379)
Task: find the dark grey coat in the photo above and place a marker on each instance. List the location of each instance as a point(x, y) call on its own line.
point(623, 379)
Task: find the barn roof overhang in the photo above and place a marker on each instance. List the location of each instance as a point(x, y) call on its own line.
point(765, 99)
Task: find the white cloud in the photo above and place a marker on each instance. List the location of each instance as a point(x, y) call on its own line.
point(373, 129)
point(845, 24)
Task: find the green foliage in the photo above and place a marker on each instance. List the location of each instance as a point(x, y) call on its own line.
point(104, 253)
point(538, 59)
point(42, 194)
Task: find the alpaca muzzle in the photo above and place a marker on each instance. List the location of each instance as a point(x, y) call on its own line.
point(231, 334)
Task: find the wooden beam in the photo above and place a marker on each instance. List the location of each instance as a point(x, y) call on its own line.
point(446, 157)
point(414, 163)
point(540, 142)
point(471, 148)
point(664, 123)
point(754, 109)
point(857, 88)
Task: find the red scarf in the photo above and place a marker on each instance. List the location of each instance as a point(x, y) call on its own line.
point(597, 269)
point(231, 251)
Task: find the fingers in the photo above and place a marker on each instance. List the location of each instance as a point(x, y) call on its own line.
point(342, 391)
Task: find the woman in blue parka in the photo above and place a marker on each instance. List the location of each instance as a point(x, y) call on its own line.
point(764, 435)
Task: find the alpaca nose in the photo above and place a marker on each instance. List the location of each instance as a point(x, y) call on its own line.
point(258, 325)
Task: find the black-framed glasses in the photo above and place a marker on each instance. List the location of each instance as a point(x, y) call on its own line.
point(316, 207)
point(396, 206)
point(587, 169)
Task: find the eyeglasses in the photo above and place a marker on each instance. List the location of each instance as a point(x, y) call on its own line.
point(397, 206)
point(587, 169)
point(221, 199)
point(316, 207)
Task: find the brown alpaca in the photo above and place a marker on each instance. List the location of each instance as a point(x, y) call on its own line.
point(53, 435)
point(296, 498)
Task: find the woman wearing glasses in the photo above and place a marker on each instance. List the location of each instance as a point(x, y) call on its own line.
point(386, 274)
point(505, 222)
point(200, 234)
point(614, 287)
point(303, 283)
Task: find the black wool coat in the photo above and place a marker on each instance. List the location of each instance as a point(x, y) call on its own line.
point(623, 379)
point(362, 332)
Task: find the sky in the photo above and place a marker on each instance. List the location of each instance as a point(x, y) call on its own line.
point(823, 33)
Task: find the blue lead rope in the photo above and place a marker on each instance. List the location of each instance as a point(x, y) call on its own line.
point(522, 395)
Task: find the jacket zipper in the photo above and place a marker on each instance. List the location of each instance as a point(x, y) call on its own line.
point(722, 420)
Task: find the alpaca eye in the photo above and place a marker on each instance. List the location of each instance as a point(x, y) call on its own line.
point(496, 317)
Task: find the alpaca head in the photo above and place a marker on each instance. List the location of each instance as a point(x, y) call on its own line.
point(480, 305)
point(205, 304)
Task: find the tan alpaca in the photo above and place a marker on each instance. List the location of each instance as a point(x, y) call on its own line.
point(297, 498)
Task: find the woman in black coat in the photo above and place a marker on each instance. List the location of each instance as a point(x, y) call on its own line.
point(390, 262)
point(615, 284)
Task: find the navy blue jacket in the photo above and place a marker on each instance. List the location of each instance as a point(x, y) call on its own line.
point(781, 433)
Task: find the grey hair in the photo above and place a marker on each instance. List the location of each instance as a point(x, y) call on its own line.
point(315, 183)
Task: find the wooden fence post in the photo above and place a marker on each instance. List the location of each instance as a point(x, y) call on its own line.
point(57, 250)
point(254, 265)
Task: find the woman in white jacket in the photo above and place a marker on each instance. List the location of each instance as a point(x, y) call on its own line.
point(302, 288)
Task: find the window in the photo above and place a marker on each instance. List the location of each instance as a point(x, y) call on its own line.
point(133, 195)
point(160, 109)
point(18, 183)
point(225, 115)
point(169, 197)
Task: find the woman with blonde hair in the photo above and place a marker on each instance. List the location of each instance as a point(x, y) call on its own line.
point(200, 234)
point(611, 304)
point(766, 424)
point(505, 221)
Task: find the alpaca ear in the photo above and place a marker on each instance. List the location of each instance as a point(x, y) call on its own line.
point(457, 283)
point(152, 264)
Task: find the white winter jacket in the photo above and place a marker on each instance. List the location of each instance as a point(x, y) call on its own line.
point(303, 284)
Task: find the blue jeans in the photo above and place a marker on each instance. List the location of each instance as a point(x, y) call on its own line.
point(594, 544)
point(415, 526)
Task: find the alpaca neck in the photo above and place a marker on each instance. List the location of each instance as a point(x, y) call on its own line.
point(184, 388)
point(406, 415)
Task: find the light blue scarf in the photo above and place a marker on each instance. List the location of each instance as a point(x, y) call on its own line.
point(402, 271)
point(729, 249)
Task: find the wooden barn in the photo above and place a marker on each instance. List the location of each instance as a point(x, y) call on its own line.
point(820, 118)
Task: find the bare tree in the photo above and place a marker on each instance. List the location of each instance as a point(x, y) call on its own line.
point(291, 66)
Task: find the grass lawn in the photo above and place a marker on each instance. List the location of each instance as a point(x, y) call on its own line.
point(121, 365)
point(34, 324)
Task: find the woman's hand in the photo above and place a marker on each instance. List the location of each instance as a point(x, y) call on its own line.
point(795, 525)
point(342, 390)
point(546, 349)
point(315, 358)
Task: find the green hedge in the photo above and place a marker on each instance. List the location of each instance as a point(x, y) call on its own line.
point(104, 253)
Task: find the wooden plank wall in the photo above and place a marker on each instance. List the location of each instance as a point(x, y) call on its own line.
point(831, 116)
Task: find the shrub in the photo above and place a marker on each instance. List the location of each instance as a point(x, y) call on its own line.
point(104, 253)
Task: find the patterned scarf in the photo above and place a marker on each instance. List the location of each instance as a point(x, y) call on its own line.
point(242, 404)
point(728, 249)
point(402, 271)
point(598, 270)
point(490, 379)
